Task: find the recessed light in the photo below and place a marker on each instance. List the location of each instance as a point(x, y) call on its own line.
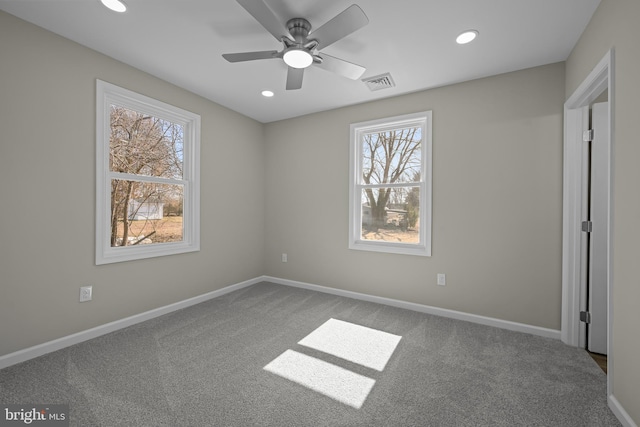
point(115, 5)
point(267, 93)
point(466, 37)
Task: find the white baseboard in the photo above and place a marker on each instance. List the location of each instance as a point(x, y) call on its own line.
point(60, 343)
point(443, 312)
point(622, 415)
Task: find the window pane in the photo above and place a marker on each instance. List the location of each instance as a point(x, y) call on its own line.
point(392, 156)
point(391, 214)
point(144, 145)
point(145, 213)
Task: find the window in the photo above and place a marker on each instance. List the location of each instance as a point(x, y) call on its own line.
point(390, 185)
point(147, 185)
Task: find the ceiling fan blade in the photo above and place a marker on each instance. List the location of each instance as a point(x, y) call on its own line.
point(265, 16)
point(250, 56)
point(294, 78)
point(343, 24)
point(340, 66)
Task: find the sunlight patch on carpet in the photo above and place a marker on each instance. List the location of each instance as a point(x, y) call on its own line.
point(364, 346)
point(326, 378)
point(358, 344)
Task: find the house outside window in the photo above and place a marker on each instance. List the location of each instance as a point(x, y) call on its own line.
point(390, 185)
point(147, 185)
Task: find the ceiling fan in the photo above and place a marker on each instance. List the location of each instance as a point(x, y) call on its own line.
point(301, 45)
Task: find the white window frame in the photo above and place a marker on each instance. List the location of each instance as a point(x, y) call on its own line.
point(356, 184)
point(108, 94)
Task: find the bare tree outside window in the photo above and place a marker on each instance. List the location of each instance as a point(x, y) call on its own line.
point(390, 212)
point(147, 177)
point(141, 148)
point(390, 185)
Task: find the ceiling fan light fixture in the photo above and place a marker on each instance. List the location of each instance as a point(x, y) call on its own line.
point(115, 5)
point(297, 58)
point(467, 37)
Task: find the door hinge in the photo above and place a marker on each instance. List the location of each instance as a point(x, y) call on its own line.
point(587, 135)
point(587, 226)
point(585, 317)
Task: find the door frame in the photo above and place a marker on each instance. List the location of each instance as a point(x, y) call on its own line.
point(572, 332)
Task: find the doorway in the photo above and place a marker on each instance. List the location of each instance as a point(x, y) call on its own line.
point(586, 255)
point(595, 227)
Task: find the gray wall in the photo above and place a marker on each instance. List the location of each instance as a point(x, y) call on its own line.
point(47, 188)
point(615, 25)
point(496, 192)
point(497, 200)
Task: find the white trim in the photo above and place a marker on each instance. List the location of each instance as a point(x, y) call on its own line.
point(60, 343)
point(600, 78)
point(571, 239)
point(79, 337)
point(107, 94)
point(423, 120)
point(596, 82)
point(622, 415)
point(443, 312)
point(69, 340)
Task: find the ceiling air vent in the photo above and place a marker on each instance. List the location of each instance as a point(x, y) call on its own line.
point(383, 81)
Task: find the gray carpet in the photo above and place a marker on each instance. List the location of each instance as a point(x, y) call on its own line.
point(204, 366)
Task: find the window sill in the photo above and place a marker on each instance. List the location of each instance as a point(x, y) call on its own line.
point(391, 248)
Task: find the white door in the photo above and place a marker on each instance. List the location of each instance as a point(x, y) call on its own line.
point(599, 236)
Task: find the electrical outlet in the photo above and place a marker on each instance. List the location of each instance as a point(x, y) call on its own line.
point(442, 280)
point(284, 257)
point(86, 293)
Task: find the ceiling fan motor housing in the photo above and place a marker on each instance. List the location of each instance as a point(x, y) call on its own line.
point(299, 29)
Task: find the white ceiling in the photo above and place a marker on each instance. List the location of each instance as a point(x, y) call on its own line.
point(181, 41)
